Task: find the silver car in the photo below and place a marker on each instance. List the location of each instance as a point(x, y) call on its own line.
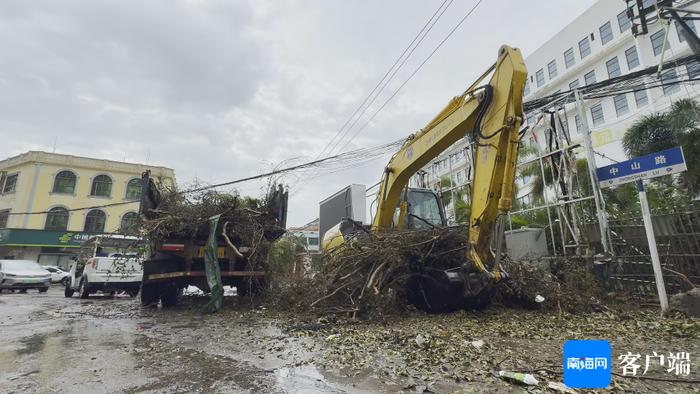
point(22, 275)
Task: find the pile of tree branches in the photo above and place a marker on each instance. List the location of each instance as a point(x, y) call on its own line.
point(369, 275)
point(244, 221)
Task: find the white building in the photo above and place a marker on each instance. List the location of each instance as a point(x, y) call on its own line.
point(596, 46)
point(308, 234)
point(599, 45)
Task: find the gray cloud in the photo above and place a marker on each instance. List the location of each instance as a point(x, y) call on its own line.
point(224, 89)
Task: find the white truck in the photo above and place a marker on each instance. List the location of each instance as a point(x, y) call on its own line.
point(105, 274)
point(107, 264)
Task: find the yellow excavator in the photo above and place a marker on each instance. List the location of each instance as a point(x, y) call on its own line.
point(491, 114)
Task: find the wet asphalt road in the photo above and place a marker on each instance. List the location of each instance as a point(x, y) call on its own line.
point(55, 344)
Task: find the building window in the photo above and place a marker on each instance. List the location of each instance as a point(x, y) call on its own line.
point(579, 125)
point(101, 186)
point(95, 221)
point(597, 115)
point(313, 241)
point(623, 21)
point(10, 184)
point(4, 217)
point(606, 34)
point(552, 69)
point(640, 98)
point(527, 88)
point(133, 189)
point(129, 221)
point(589, 78)
point(621, 106)
point(57, 219)
point(632, 57)
point(693, 69)
point(64, 182)
point(584, 47)
point(613, 67)
point(657, 42)
point(539, 75)
point(569, 59)
point(679, 29)
point(573, 84)
point(648, 3)
point(668, 78)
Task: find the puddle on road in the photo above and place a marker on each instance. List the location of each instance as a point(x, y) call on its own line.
point(32, 344)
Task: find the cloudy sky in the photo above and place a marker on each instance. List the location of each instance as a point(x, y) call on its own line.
point(220, 90)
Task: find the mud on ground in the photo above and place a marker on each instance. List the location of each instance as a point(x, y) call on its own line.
point(54, 344)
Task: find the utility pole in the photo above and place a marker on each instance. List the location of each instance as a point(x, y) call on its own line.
point(590, 156)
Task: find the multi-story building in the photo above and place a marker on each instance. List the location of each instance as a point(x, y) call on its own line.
point(55, 185)
point(308, 234)
point(597, 45)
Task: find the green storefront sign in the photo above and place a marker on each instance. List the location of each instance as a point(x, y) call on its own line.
point(25, 237)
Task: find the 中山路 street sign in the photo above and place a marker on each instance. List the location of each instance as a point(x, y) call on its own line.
point(665, 162)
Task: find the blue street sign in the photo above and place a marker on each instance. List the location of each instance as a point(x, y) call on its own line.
point(665, 162)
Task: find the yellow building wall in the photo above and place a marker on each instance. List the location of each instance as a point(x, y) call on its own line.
point(18, 201)
point(44, 199)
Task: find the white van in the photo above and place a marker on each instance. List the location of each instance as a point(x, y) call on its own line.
point(105, 274)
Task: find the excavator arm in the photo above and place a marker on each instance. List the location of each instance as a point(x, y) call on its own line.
point(492, 114)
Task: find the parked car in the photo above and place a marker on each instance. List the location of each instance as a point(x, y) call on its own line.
point(22, 275)
point(104, 274)
point(57, 274)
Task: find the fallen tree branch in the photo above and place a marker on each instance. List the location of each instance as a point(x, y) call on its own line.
point(230, 244)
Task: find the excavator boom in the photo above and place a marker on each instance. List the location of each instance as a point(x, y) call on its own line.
point(491, 114)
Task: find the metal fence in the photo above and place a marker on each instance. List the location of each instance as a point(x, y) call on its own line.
point(678, 243)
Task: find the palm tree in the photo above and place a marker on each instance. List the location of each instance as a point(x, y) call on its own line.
point(656, 132)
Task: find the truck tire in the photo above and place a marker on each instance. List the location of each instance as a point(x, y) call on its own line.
point(83, 289)
point(68, 292)
point(150, 293)
point(169, 296)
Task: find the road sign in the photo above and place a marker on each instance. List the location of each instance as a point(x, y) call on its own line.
point(665, 162)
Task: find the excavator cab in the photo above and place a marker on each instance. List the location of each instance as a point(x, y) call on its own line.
point(424, 210)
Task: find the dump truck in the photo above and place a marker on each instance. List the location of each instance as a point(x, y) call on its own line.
point(176, 254)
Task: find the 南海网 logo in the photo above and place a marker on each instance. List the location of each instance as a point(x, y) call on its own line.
point(587, 364)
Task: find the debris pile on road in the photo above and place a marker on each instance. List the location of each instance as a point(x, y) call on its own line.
point(368, 276)
point(569, 286)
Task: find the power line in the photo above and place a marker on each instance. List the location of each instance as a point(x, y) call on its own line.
point(76, 209)
point(386, 83)
point(398, 59)
point(628, 83)
point(420, 66)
